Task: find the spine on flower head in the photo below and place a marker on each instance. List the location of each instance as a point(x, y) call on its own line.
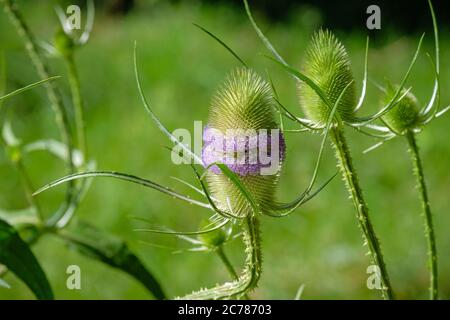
point(328, 65)
point(243, 134)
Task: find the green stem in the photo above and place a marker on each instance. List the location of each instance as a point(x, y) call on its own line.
point(252, 271)
point(62, 119)
point(223, 257)
point(226, 262)
point(349, 174)
point(429, 228)
point(28, 188)
point(77, 101)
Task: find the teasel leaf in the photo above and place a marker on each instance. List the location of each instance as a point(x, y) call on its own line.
point(290, 207)
point(211, 199)
point(400, 93)
point(16, 255)
point(125, 177)
point(291, 116)
point(20, 216)
point(213, 228)
point(222, 43)
point(263, 38)
point(2, 75)
point(440, 113)
point(158, 122)
point(299, 293)
point(282, 110)
point(189, 185)
point(28, 87)
point(364, 85)
point(435, 96)
point(379, 144)
point(426, 117)
point(9, 137)
point(275, 96)
point(112, 251)
point(4, 284)
point(301, 76)
point(89, 22)
point(56, 148)
point(234, 178)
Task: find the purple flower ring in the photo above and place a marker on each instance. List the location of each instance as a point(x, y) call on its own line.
point(244, 151)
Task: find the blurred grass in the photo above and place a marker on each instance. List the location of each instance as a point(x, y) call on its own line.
point(319, 246)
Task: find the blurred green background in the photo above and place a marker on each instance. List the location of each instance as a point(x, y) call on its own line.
point(319, 245)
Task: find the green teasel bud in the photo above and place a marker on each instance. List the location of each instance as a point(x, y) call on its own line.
point(244, 102)
point(63, 43)
point(327, 63)
point(405, 114)
point(215, 238)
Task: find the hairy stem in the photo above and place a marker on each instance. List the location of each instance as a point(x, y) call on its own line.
point(77, 101)
point(249, 276)
point(62, 119)
point(349, 174)
point(426, 210)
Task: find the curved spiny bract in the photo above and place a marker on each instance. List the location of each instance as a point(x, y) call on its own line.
point(328, 65)
point(404, 115)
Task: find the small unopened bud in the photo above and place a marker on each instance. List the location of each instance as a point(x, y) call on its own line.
point(63, 43)
point(405, 114)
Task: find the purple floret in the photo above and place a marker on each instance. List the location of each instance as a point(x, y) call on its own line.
point(245, 153)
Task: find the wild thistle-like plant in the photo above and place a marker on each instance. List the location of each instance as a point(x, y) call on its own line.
point(407, 119)
point(21, 229)
point(326, 72)
point(236, 193)
point(326, 75)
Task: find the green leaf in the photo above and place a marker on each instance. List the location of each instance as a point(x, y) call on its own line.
point(56, 148)
point(125, 177)
point(222, 44)
point(18, 258)
point(28, 87)
point(112, 251)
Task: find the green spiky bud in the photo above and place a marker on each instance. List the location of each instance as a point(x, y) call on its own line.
point(328, 65)
point(405, 114)
point(215, 238)
point(244, 102)
point(63, 43)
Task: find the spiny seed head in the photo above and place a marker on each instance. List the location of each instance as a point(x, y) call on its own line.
point(328, 65)
point(405, 114)
point(244, 102)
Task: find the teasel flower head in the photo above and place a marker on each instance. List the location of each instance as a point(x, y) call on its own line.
point(241, 127)
point(328, 65)
point(405, 115)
